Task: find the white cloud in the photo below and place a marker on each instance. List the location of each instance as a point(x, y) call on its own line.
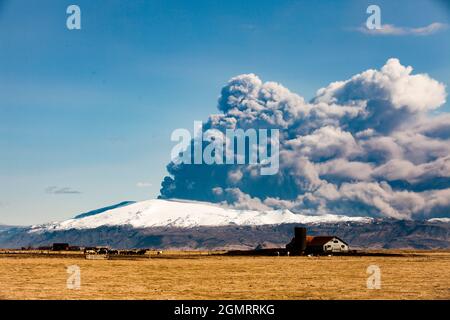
point(326, 142)
point(143, 184)
point(394, 83)
point(61, 190)
point(346, 170)
point(392, 30)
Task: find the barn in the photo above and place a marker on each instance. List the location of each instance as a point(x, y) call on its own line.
point(325, 244)
point(303, 244)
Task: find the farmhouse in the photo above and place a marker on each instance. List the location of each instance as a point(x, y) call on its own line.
point(325, 244)
point(303, 244)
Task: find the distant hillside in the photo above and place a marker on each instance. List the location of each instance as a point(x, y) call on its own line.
point(179, 224)
point(376, 234)
point(4, 227)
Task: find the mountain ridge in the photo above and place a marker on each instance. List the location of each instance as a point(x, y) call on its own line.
point(188, 214)
point(383, 233)
point(174, 224)
point(101, 210)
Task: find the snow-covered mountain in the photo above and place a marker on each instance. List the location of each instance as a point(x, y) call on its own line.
point(444, 220)
point(185, 214)
point(164, 224)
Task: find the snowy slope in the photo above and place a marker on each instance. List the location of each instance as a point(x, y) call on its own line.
point(164, 213)
point(444, 220)
point(97, 211)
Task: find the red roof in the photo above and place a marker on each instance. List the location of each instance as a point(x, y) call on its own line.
point(314, 241)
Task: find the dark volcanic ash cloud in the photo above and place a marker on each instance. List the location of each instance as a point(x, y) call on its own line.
point(365, 146)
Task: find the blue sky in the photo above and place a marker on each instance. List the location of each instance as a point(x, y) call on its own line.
point(89, 112)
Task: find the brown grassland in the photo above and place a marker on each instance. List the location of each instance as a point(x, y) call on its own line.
point(417, 275)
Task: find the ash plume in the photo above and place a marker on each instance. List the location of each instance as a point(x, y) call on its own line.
point(369, 145)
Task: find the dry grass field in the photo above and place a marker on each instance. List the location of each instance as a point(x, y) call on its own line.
point(424, 275)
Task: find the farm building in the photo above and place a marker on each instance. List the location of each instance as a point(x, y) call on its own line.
point(325, 244)
point(303, 244)
point(60, 247)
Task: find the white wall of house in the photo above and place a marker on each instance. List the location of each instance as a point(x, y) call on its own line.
point(335, 245)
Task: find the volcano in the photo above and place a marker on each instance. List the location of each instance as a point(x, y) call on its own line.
point(181, 224)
